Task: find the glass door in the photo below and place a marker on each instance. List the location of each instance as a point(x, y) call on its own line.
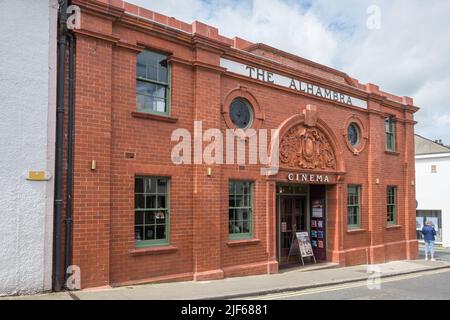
point(292, 218)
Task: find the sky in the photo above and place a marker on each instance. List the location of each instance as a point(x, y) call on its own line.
point(401, 45)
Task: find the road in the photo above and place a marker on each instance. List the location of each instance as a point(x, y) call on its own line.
point(428, 285)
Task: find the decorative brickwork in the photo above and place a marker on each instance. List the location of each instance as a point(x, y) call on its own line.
point(306, 148)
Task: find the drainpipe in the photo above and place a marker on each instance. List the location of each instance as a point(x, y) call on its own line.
point(69, 175)
point(58, 204)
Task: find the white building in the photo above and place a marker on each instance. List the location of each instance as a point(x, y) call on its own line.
point(433, 187)
point(27, 144)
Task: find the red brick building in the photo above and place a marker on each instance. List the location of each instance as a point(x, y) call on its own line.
point(346, 160)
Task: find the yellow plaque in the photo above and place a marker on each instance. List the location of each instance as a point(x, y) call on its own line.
point(36, 175)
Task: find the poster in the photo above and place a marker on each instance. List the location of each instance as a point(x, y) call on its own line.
point(320, 224)
point(314, 223)
point(419, 223)
point(314, 243)
point(320, 242)
point(317, 209)
point(313, 234)
point(320, 234)
point(317, 212)
point(283, 227)
point(305, 244)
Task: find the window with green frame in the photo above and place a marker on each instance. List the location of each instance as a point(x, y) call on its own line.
point(353, 206)
point(152, 83)
point(390, 133)
point(392, 204)
point(240, 209)
point(151, 211)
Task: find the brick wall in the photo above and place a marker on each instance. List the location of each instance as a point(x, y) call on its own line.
point(106, 130)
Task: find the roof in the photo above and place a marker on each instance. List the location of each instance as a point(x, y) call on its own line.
point(427, 146)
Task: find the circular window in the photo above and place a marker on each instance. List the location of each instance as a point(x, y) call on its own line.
point(241, 113)
point(353, 134)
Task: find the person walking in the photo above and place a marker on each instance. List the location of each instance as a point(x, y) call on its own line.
point(429, 236)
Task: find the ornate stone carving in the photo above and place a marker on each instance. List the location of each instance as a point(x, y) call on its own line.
point(306, 148)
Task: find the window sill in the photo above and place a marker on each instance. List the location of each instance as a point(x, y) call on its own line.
point(242, 242)
point(152, 116)
point(392, 153)
point(153, 250)
point(356, 230)
point(393, 226)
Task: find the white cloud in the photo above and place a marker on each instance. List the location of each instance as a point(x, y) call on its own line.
point(434, 115)
point(274, 22)
point(409, 55)
point(278, 24)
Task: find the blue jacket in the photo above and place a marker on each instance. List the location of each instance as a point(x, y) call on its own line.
point(428, 233)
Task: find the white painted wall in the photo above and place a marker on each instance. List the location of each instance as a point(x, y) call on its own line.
point(27, 129)
point(433, 189)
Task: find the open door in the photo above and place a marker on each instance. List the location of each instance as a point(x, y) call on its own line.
point(292, 218)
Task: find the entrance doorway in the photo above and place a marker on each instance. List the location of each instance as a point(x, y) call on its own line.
point(292, 219)
point(292, 216)
point(300, 208)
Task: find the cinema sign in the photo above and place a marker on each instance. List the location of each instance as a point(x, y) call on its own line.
point(308, 178)
point(291, 83)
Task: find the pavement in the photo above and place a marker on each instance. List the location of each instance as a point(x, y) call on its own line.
point(295, 279)
point(440, 253)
